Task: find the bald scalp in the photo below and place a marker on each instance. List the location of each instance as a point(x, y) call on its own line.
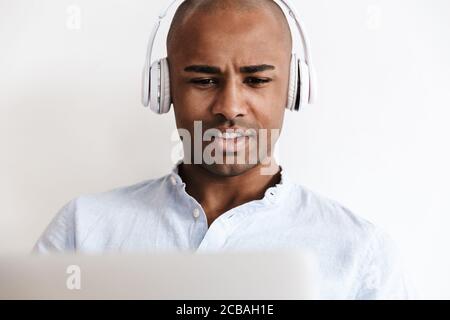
point(210, 7)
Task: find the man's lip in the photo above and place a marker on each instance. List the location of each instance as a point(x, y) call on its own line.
point(229, 145)
point(211, 132)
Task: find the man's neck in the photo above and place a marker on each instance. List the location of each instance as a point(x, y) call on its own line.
point(218, 194)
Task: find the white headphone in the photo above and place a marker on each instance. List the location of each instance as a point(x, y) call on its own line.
point(156, 80)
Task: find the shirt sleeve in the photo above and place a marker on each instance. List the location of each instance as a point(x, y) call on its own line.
point(383, 276)
point(59, 236)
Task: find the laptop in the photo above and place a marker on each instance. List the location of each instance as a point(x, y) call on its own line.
point(159, 276)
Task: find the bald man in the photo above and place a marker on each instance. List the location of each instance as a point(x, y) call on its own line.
point(229, 63)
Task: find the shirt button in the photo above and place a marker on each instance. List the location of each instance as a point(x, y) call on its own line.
point(196, 213)
point(173, 180)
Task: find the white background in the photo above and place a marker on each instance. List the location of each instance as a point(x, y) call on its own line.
point(376, 141)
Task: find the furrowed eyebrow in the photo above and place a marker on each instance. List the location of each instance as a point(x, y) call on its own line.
point(215, 70)
point(257, 68)
point(202, 69)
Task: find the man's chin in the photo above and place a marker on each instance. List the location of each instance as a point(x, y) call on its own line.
point(228, 170)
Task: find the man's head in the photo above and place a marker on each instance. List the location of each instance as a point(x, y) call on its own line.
point(230, 37)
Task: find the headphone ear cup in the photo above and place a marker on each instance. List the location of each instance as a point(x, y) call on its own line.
point(304, 84)
point(160, 87)
point(165, 101)
point(293, 80)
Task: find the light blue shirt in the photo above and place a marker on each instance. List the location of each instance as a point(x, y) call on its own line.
point(356, 260)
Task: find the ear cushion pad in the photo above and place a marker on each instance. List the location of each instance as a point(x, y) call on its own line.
point(160, 86)
point(304, 83)
point(165, 87)
point(155, 76)
point(292, 90)
point(297, 96)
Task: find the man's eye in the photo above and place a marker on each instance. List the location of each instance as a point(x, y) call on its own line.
point(204, 82)
point(257, 81)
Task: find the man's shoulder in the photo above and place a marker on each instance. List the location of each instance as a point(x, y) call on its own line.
point(116, 202)
point(354, 243)
point(94, 217)
point(131, 194)
point(329, 214)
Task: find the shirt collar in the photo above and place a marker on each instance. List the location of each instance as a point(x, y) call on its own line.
point(272, 194)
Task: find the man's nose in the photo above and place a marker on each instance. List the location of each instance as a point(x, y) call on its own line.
point(230, 103)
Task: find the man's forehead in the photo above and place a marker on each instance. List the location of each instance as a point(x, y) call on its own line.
point(213, 45)
point(238, 58)
point(233, 25)
point(254, 30)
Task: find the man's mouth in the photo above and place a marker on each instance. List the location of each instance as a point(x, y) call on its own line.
point(230, 141)
point(228, 135)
